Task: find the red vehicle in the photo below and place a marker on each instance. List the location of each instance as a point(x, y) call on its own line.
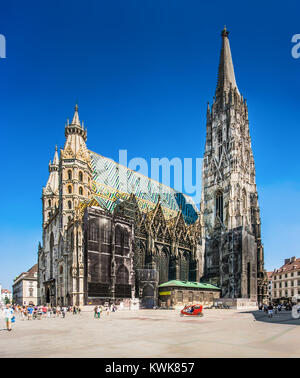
point(192, 310)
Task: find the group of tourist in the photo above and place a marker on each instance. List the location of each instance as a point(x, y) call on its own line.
point(99, 309)
point(273, 308)
point(32, 312)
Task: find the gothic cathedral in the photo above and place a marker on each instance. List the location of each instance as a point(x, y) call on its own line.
point(106, 241)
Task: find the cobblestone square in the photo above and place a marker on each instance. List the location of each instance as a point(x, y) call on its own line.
point(155, 333)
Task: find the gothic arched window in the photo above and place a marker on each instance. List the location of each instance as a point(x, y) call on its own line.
point(80, 176)
point(93, 232)
point(244, 199)
point(69, 205)
point(219, 205)
point(118, 236)
point(126, 239)
point(49, 203)
point(184, 267)
point(122, 276)
point(220, 141)
point(51, 254)
point(163, 267)
point(80, 191)
point(69, 189)
point(69, 174)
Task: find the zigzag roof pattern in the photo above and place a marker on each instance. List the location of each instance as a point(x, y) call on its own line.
point(114, 183)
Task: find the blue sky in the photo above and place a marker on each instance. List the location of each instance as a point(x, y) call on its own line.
point(142, 73)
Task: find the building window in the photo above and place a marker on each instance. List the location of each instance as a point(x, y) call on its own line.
point(126, 239)
point(69, 174)
point(292, 274)
point(219, 206)
point(180, 296)
point(69, 205)
point(93, 234)
point(80, 176)
point(49, 203)
point(69, 189)
point(80, 191)
point(285, 275)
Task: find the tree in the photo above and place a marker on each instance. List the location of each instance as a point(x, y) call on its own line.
point(6, 300)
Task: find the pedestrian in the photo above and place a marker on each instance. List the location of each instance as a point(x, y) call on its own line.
point(99, 310)
point(29, 312)
point(270, 310)
point(63, 312)
point(95, 312)
point(8, 314)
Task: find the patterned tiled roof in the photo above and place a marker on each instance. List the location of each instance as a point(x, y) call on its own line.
point(113, 183)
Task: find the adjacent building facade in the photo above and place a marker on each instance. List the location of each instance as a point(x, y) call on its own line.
point(286, 281)
point(25, 287)
point(111, 234)
point(5, 295)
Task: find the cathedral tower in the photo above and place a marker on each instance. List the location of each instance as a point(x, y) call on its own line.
point(75, 170)
point(229, 205)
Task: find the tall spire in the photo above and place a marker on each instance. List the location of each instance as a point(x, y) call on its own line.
point(226, 77)
point(56, 159)
point(75, 120)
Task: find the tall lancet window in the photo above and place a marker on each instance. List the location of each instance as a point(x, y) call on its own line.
point(219, 205)
point(220, 141)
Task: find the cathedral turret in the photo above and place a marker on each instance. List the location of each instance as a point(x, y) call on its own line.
point(50, 191)
point(75, 170)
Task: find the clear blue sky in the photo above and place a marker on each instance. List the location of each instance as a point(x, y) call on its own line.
point(142, 73)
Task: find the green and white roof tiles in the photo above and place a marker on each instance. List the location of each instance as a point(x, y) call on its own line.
point(114, 183)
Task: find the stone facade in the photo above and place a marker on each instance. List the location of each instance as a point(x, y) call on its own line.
point(231, 216)
point(75, 269)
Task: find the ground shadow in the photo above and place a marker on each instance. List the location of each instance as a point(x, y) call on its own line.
point(282, 317)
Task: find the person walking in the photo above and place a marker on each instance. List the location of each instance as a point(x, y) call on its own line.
point(99, 310)
point(8, 314)
point(270, 310)
point(29, 312)
point(95, 312)
point(63, 312)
